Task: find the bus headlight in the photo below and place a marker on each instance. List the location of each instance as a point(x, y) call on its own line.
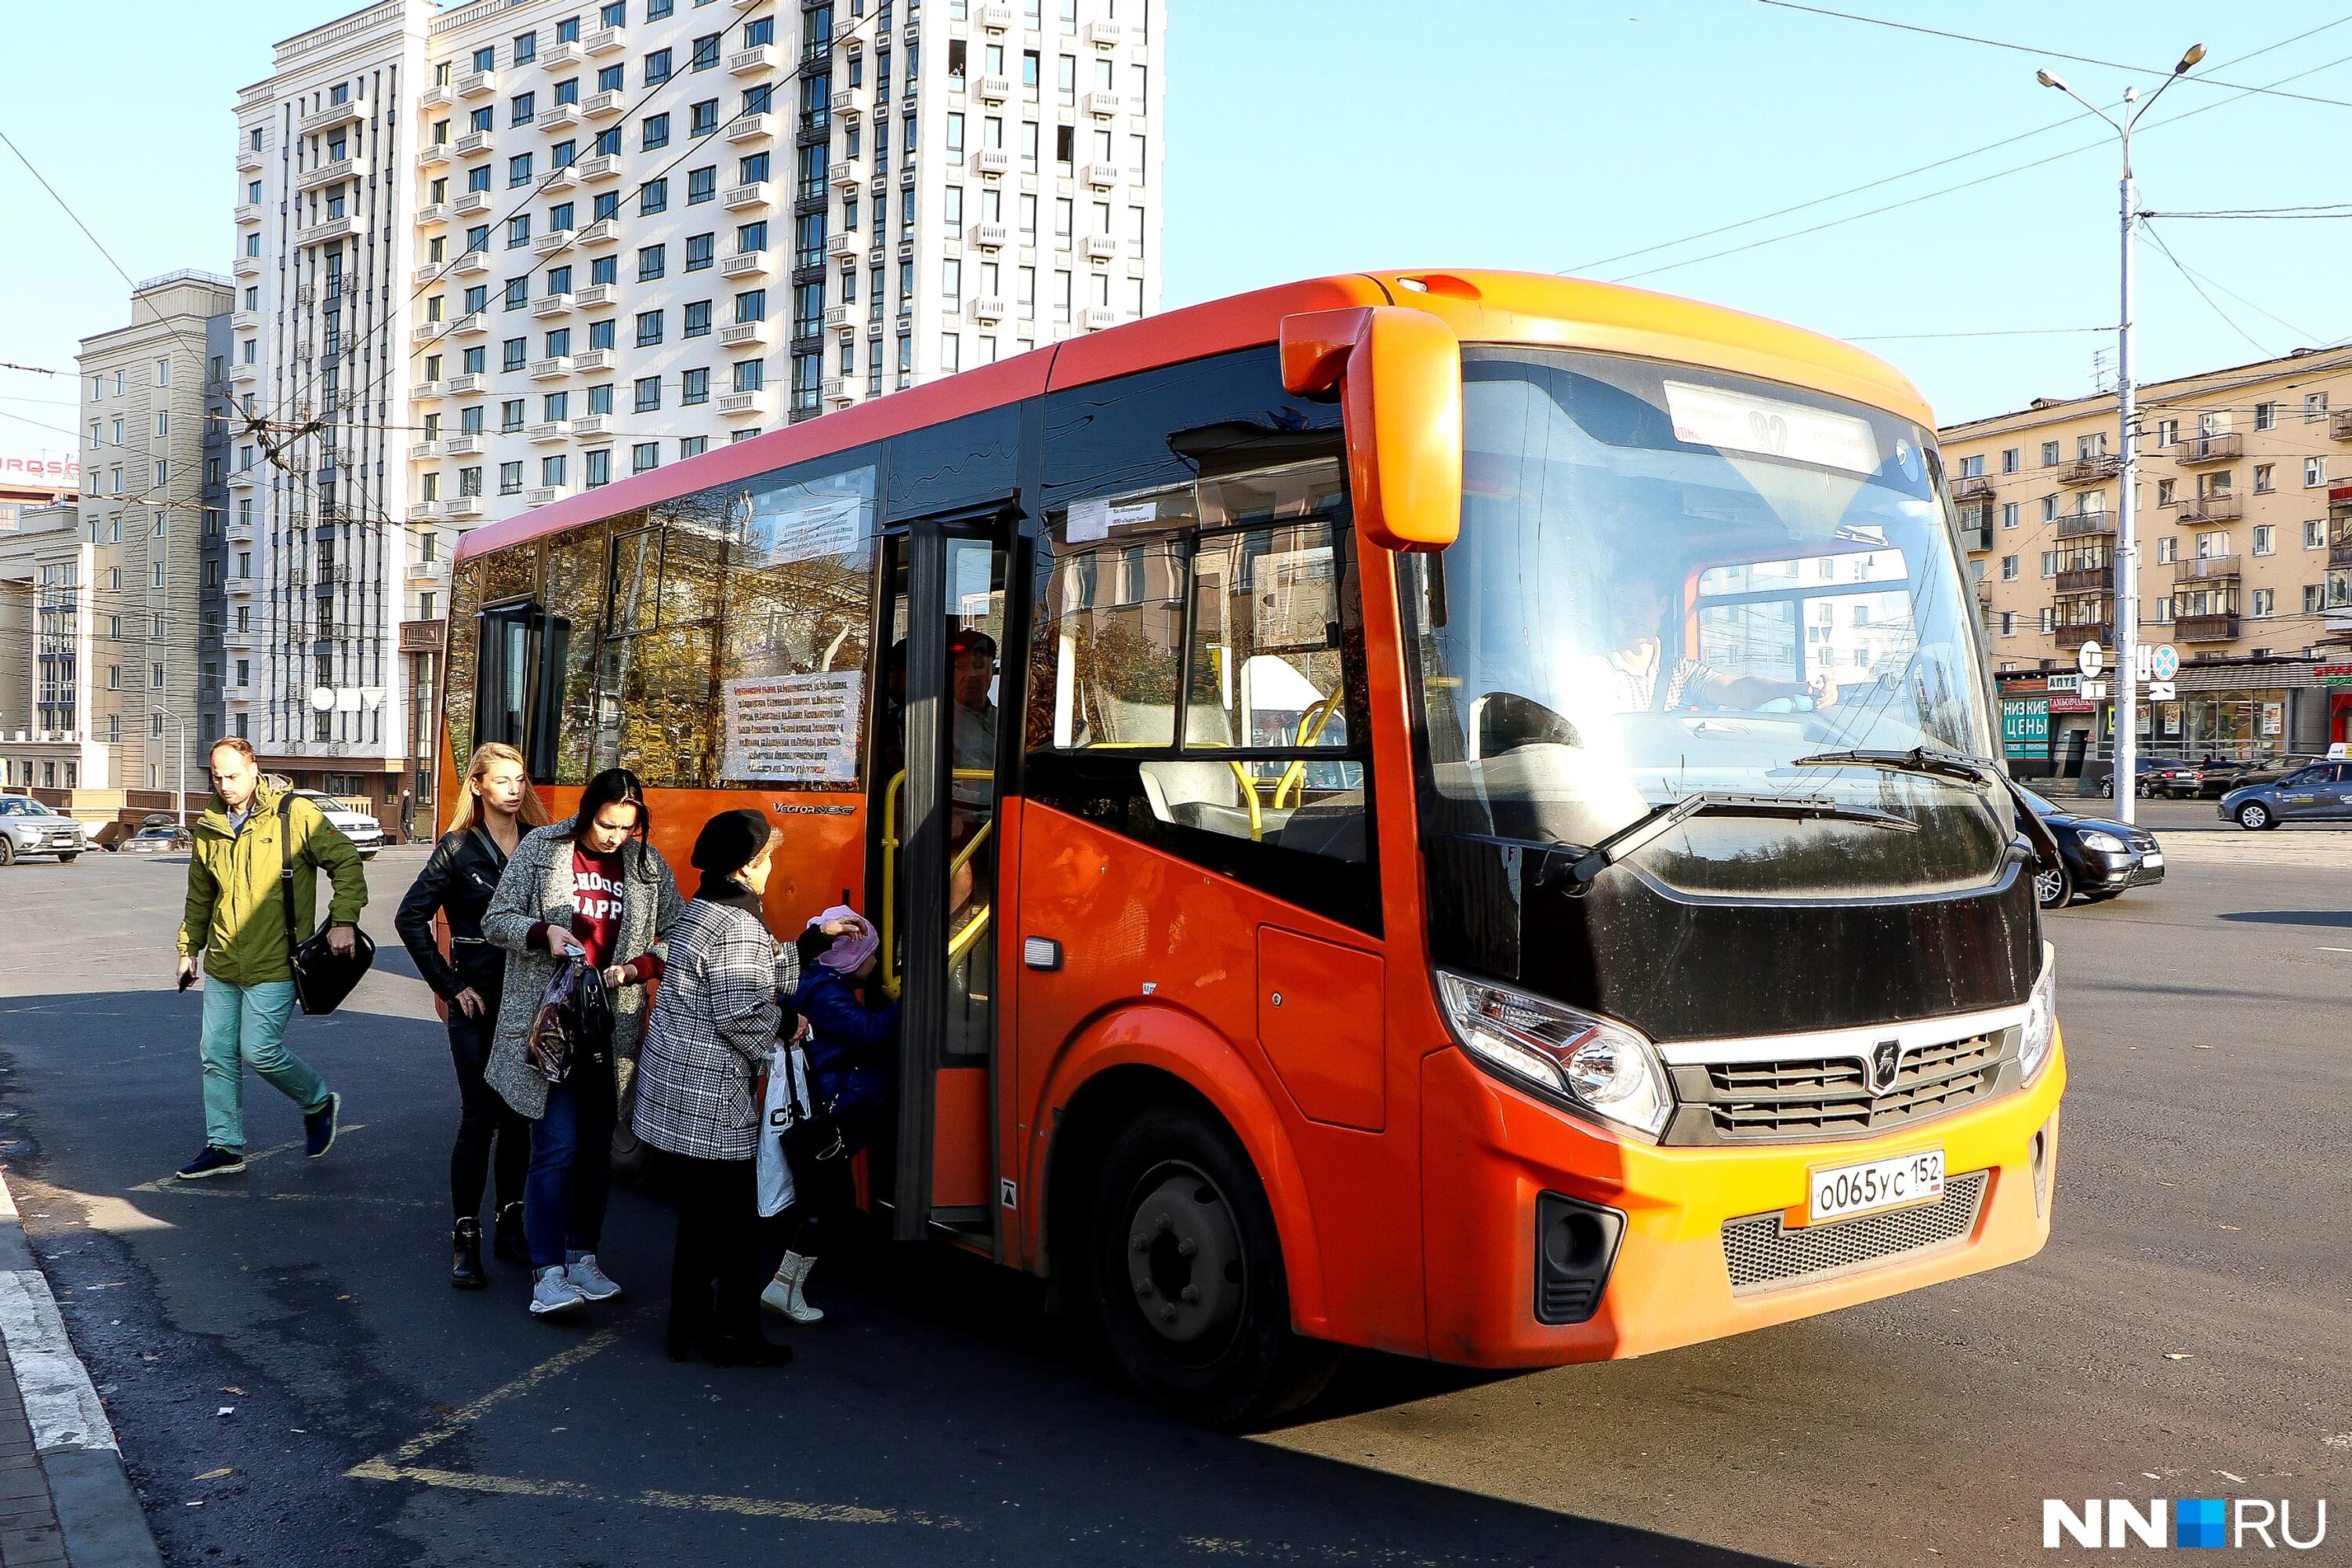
point(2041, 1026)
point(1602, 1065)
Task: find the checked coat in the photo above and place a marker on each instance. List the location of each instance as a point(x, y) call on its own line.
point(712, 1028)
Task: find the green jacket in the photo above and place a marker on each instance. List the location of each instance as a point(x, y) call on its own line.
point(235, 914)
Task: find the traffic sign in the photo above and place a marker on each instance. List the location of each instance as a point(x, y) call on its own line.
point(2159, 692)
point(2093, 690)
point(2166, 664)
point(2090, 660)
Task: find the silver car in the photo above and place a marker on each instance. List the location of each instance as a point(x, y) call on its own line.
point(28, 828)
point(2315, 794)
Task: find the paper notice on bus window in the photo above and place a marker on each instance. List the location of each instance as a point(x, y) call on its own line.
point(817, 531)
point(793, 729)
point(1743, 422)
point(1093, 520)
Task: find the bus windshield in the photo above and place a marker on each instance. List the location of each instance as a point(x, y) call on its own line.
point(1672, 581)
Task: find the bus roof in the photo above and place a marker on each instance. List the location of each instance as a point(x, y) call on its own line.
point(1480, 306)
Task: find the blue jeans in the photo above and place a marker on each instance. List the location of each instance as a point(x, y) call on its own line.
point(245, 1025)
point(570, 1165)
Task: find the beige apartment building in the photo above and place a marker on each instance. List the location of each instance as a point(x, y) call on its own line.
point(2244, 525)
point(101, 594)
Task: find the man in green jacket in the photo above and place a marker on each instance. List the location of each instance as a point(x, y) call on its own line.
point(236, 917)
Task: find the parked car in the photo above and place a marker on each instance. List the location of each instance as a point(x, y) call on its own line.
point(2165, 776)
point(2316, 793)
point(28, 828)
point(364, 831)
point(2098, 858)
point(157, 840)
point(2269, 770)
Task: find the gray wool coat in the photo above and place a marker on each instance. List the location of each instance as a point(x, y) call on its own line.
point(537, 886)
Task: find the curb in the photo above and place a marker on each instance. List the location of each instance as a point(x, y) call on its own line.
point(97, 1512)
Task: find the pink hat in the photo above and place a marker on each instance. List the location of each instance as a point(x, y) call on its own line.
point(851, 948)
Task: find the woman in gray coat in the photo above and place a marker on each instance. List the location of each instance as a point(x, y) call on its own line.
point(713, 1030)
point(589, 887)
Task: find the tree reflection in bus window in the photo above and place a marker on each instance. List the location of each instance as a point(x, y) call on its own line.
point(575, 601)
point(798, 628)
point(657, 706)
point(458, 678)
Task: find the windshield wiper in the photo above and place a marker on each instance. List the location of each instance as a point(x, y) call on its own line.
point(1928, 762)
point(1584, 870)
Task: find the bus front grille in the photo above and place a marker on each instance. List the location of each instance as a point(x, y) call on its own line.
point(1763, 1254)
point(1826, 1096)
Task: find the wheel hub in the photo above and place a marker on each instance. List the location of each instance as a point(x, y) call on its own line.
point(1184, 1257)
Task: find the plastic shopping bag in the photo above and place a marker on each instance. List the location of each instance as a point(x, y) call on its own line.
point(777, 1112)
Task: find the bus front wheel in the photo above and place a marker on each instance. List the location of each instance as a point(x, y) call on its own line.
point(1187, 1276)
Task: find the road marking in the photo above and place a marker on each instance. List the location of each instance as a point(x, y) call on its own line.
point(172, 1183)
point(2332, 949)
point(553, 1366)
point(691, 1503)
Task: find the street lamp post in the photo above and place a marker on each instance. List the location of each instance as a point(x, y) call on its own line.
point(2126, 566)
point(180, 791)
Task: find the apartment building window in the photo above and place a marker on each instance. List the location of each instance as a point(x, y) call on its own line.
point(559, 342)
point(702, 184)
point(2315, 533)
point(692, 445)
point(2009, 568)
point(483, 119)
point(518, 231)
point(523, 109)
point(1972, 468)
point(567, 91)
point(653, 196)
point(2315, 598)
point(2315, 407)
point(759, 31)
point(700, 251)
point(517, 295)
point(2264, 602)
point(653, 262)
point(2164, 491)
point(558, 280)
point(2315, 470)
point(706, 53)
point(647, 392)
point(511, 478)
point(657, 132)
point(518, 170)
point(2008, 623)
point(694, 387)
point(2265, 415)
point(2049, 508)
point(470, 420)
point(600, 398)
point(656, 9)
point(645, 456)
point(2168, 549)
point(751, 374)
point(702, 119)
point(486, 58)
point(553, 406)
point(613, 79)
point(470, 482)
point(605, 269)
point(2008, 514)
point(2167, 432)
point(2049, 563)
point(649, 328)
point(512, 353)
point(752, 305)
point(551, 470)
point(658, 68)
point(2267, 539)
point(695, 320)
point(751, 237)
point(2049, 454)
point(511, 415)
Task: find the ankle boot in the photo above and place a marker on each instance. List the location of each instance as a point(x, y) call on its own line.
point(466, 1264)
point(788, 1292)
point(508, 1241)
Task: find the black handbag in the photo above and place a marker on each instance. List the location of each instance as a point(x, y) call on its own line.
point(814, 1150)
point(322, 977)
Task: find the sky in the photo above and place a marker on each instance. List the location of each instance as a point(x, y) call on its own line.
point(1312, 136)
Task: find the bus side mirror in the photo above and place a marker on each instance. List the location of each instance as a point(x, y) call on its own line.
point(1398, 374)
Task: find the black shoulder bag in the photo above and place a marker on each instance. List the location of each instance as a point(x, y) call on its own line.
point(322, 977)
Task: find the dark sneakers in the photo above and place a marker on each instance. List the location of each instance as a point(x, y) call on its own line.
point(319, 1127)
point(212, 1161)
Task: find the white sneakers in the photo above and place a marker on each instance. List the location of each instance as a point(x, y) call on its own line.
point(560, 1286)
point(788, 1292)
point(553, 1292)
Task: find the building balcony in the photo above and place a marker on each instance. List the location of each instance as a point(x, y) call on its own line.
point(756, 404)
point(473, 143)
point(467, 386)
point(248, 212)
point(239, 587)
point(424, 451)
point(247, 267)
point(554, 242)
point(987, 309)
point(1099, 176)
point(2091, 470)
point(607, 231)
point(1094, 318)
point(743, 264)
point(849, 102)
point(245, 372)
point(842, 243)
point(2086, 580)
point(751, 128)
point(434, 98)
point(987, 236)
point(2339, 426)
point(349, 112)
point(466, 444)
point(248, 479)
point(2210, 509)
point(476, 84)
point(840, 389)
point(1101, 105)
point(544, 495)
point(425, 571)
point(333, 231)
point(469, 203)
point(992, 89)
point(245, 321)
point(2208, 569)
point(432, 214)
point(334, 171)
point(473, 325)
point(1106, 35)
point(838, 317)
point(433, 154)
point(844, 174)
point(604, 41)
point(591, 426)
point(2227, 447)
point(1975, 487)
point(556, 367)
point(1977, 538)
point(602, 167)
point(604, 105)
point(248, 156)
point(744, 334)
point(423, 637)
point(561, 57)
point(462, 509)
point(2084, 524)
point(994, 17)
point(2204, 628)
point(758, 193)
point(992, 162)
point(753, 61)
point(560, 117)
point(2076, 633)
point(594, 360)
point(1099, 247)
point(470, 264)
point(548, 305)
point(548, 432)
point(427, 332)
point(595, 295)
point(427, 391)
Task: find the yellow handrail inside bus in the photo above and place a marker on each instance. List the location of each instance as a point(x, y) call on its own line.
point(1310, 729)
point(891, 845)
point(1249, 794)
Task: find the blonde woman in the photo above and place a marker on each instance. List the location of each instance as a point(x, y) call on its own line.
point(496, 804)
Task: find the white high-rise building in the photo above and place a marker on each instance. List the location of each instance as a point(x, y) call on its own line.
point(492, 255)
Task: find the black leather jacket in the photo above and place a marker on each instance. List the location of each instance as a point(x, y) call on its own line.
point(456, 881)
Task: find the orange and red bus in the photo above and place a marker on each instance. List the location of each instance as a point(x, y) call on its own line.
point(1448, 812)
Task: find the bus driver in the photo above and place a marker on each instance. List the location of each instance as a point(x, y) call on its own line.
point(1626, 681)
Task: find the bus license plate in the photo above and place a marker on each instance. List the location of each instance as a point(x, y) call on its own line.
point(1841, 1191)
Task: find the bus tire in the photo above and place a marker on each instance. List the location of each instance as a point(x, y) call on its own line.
point(1187, 1279)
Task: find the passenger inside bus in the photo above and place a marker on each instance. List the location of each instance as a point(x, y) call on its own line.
point(1627, 677)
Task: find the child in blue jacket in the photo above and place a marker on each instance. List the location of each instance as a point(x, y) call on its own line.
point(852, 1057)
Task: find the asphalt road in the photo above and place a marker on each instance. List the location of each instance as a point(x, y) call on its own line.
point(293, 1381)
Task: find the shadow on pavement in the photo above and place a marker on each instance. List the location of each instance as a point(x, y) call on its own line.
point(2289, 917)
point(260, 1338)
